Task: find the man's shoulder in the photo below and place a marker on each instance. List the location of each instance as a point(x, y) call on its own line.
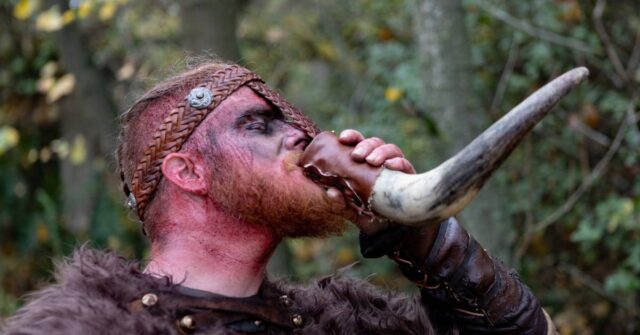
point(93, 274)
point(91, 292)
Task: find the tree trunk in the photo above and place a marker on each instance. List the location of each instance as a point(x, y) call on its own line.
point(88, 121)
point(209, 26)
point(445, 57)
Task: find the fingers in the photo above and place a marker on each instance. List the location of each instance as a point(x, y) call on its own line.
point(350, 137)
point(366, 147)
point(400, 164)
point(383, 153)
point(375, 152)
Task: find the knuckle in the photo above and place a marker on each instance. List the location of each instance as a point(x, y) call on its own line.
point(393, 149)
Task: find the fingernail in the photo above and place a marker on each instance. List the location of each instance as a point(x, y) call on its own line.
point(373, 158)
point(358, 151)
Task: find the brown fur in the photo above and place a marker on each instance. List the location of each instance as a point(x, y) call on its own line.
point(93, 289)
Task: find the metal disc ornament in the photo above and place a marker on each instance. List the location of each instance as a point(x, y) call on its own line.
point(200, 97)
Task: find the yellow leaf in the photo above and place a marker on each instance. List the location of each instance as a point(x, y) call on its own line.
point(62, 87)
point(327, 50)
point(32, 156)
point(50, 20)
point(60, 147)
point(49, 69)
point(9, 138)
point(45, 84)
point(107, 11)
point(393, 94)
point(78, 150)
point(45, 154)
point(24, 9)
point(84, 9)
point(68, 16)
point(345, 256)
point(126, 71)
point(114, 242)
point(42, 234)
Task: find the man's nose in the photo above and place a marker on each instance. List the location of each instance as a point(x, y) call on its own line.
point(295, 139)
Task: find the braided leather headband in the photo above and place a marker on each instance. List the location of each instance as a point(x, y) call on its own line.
point(185, 118)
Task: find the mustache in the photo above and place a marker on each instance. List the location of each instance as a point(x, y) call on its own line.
point(291, 161)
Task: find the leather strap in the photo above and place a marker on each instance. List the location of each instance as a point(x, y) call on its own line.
point(269, 308)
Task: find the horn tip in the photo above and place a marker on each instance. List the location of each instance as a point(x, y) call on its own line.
point(580, 73)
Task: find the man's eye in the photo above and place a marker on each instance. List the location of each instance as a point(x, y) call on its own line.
point(256, 125)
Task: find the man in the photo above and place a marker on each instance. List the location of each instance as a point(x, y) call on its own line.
point(210, 162)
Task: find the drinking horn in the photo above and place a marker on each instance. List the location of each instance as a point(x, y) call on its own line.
point(419, 199)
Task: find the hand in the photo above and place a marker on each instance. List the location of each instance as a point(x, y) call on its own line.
point(375, 152)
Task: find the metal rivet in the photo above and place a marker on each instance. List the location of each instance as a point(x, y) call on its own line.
point(285, 300)
point(187, 322)
point(131, 201)
point(200, 97)
point(297, 320)
point(258, 323)
point(149, 299)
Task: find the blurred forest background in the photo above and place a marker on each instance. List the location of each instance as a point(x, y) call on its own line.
point(427, 75)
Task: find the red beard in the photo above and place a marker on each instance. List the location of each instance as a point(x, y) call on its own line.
point(288, 210)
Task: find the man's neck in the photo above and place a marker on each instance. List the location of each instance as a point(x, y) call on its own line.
point(230, 260)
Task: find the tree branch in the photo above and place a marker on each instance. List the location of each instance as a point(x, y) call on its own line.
point(591, 283)
point(504, 77)
point(634, 59)
point(598, 11)
point(629, 119)
point(535, 31)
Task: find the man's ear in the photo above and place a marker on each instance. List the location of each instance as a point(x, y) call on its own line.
point(185, 172)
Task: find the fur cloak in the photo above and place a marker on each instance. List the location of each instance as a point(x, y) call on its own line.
point(93, 288)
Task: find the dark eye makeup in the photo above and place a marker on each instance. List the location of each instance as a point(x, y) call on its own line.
point(258, 119)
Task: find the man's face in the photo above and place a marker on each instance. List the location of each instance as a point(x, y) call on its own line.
point(255, 174)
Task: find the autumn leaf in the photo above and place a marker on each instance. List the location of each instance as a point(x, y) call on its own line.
point(126, 71)
point(78, 150)
point(24, 9)
point(42, 233)
point(385, 34)
point(68, 16)
point(62, 87)
point(50, 20)
point(60, 147)
point(327, 50)
point(344, 257)
point(9, 138)
point(393, 94)
point(45, 154)
point(107, 11)
point(84, 9)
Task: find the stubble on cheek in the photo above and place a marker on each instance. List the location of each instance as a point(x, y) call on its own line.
point(289, 204)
